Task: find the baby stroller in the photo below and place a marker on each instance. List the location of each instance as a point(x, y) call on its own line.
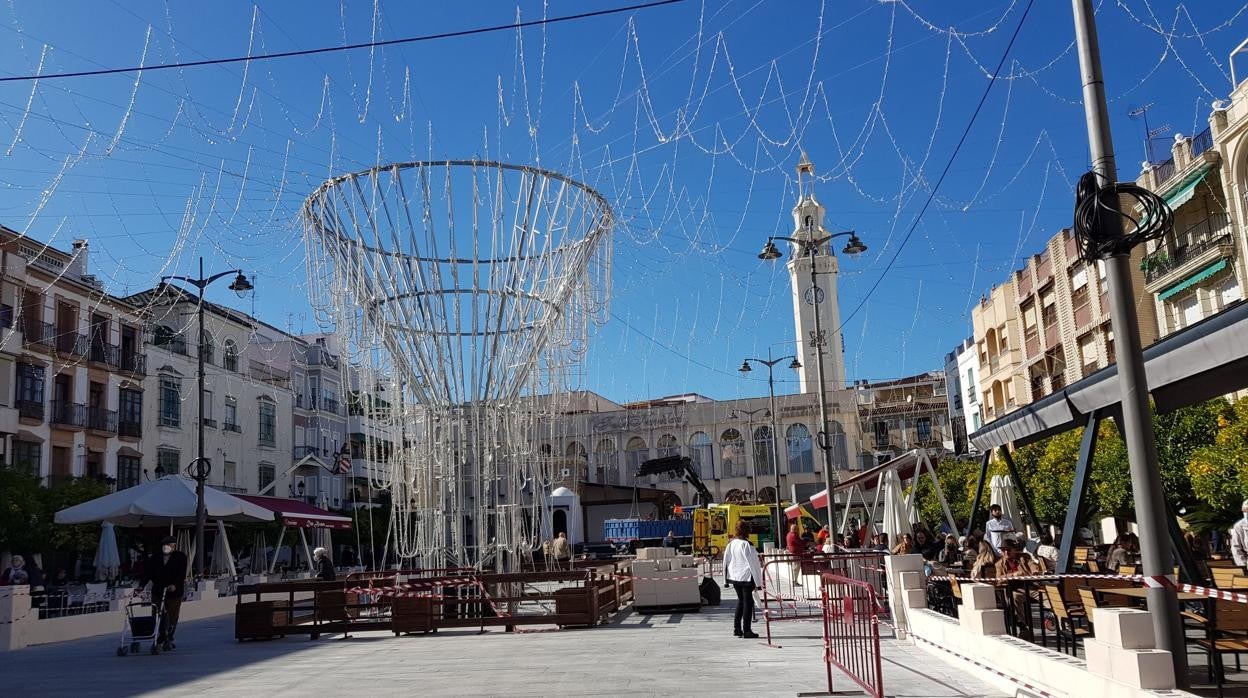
point(142, 624)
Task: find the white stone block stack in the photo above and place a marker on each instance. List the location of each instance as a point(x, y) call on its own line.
point(1125, 649)
point(979, 613)
point(663, 579)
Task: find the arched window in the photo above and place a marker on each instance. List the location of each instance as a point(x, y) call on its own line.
point(732, 453)
point(576, 453)
point(635, 452)
point(545, 450)
point(229, 359)
point(836, 441)
point(763, 451)
point(702, 453)
point(210, 351)
point(801, 451)
point(668, 446)
point(606, 464)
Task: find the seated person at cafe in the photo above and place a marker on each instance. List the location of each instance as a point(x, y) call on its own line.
point(924, 544)
point(1014, 563)
point(1124, 554)
point(1046, 552)
point(985, 565)
point(951, 554)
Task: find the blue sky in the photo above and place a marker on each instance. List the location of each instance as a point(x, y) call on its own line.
point(689, 119)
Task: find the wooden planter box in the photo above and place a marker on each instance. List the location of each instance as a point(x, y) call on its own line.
point(260, 620)
point(413, 615)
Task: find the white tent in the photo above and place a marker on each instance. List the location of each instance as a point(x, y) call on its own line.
point(1001, 489)
point(169, 500)
point(107, 559)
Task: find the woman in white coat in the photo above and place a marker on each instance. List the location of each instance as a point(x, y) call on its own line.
point(743, 573)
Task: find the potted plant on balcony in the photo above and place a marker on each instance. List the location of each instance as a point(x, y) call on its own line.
point(1155, 261)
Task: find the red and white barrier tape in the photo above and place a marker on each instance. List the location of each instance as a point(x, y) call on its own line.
point(1149, 581)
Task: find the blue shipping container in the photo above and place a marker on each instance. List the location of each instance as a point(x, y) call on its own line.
point(643, 529)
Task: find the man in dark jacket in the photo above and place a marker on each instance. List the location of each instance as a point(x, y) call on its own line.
point(166, 570)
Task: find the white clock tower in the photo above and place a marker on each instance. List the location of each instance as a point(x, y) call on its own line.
point(814, 296)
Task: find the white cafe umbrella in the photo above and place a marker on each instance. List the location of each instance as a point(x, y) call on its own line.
point(222, 556)
point(1002, 493)
point(896, 522)
point(170, 499)
point(107, 559)
point(259, 553)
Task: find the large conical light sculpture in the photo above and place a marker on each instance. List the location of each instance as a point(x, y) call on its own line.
point(462, 293)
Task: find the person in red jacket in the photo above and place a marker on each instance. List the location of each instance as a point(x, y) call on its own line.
point(796, 547)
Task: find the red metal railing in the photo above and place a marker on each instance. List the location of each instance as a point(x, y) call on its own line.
point(851, 632)
point(791, 588)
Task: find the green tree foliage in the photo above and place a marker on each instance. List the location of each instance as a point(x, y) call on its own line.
point(22, 524)
point(26, 511)
point(1219, 472)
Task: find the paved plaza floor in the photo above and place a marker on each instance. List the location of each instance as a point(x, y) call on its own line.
point(676, 654)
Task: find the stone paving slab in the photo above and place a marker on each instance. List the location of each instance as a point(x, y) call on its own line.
point(658, 655)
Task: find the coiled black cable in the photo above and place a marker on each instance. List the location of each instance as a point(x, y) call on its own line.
point(1097, 241)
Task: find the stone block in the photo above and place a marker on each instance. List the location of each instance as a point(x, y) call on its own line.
point(646, 553)
point(643, 568)
point(896, 564)
point(1128, 628)
point(980, 597)
point(983, 622)
point(684, 561)
point(662, 565)
point(1097, 654)
point(1147, 668)
point(913, 580)
point(915, 598)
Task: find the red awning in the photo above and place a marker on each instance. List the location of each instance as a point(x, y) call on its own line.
point(297, 514)
point(792, 512)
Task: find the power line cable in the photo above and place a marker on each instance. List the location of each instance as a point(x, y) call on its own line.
point(348, 47)
point(931, 195)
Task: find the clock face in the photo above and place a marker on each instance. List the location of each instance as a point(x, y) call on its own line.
point(813, 295)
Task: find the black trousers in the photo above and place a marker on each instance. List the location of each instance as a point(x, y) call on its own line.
point(168, 608)
point(745, 606)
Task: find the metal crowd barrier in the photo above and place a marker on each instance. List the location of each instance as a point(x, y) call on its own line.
point(851, 632)
point(792, 589)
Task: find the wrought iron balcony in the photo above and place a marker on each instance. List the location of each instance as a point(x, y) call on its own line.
point(231, 426)
point(130, 428)
point(37, 334)
point(30, 409)
point(100, 419)
point(1213, 240)
point(70, 414)
point(70, 343)
point(104, 353)
point(133, 362)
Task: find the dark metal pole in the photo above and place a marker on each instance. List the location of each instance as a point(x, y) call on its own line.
point(821, 438)
point(1141, 442)
point(201, 514)
point(979, 492)
point(775, 453)
point(1078, 492)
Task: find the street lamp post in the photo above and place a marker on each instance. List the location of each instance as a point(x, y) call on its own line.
point(811, 247)
point(770, 363)
point(200, 467)
point(749, 427)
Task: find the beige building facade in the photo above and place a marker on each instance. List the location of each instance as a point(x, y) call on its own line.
point(1048, 326)
point(1198, 270)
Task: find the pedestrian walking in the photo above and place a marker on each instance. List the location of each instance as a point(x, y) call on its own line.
point(744, 574)
point(166, 572)
point(324, 566)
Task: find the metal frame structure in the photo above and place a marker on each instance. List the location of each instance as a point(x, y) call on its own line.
point(466, 289)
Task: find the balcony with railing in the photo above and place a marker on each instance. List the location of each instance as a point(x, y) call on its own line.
point(30, 409)
point(1213, 241)
point(1031, 341)
point(231, 426)
point(68, 414)
point(71, 343)
point(1202, 142)
point(174, 343)
point(38, 335)
point(102, 420)
point(104, 353)
point(1163, 171)
point(132, 362)
point(329, 405)
point(209, 422)
point(130, 428)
